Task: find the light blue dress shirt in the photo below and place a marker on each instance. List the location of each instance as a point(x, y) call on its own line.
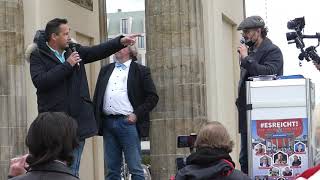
point(57, 54)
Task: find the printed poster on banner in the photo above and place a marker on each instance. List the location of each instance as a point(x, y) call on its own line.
point(279, 148)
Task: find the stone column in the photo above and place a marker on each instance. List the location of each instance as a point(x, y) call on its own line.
point(13, 116)
point(175, 54)
point(103, 27)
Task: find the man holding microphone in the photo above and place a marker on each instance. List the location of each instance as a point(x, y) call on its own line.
point(258, 56)
point(59, 75)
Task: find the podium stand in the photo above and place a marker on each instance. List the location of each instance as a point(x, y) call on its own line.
point(279, 128)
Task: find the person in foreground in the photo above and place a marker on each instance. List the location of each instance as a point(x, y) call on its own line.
point(51, 139)
point(211, 160)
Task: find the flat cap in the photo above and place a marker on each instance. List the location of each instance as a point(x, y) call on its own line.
point(251, 22)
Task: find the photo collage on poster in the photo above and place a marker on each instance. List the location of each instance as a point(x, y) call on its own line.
point(279, 148)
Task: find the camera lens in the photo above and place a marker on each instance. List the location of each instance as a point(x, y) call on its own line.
point(291, 35)
point(291, 24)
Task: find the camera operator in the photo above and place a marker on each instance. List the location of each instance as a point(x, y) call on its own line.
point(211, 159)
point(258, 56)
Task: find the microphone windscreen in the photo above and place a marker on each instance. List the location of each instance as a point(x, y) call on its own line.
point(72, 46)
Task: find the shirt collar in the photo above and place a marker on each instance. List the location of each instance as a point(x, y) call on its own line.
point(55, 51)
point(127, 63)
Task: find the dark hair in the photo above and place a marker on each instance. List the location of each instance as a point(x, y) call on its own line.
point(52, 136)
point(53, 27)
point(264, 32)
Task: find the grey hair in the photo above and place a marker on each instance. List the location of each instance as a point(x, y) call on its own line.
point(133, 52)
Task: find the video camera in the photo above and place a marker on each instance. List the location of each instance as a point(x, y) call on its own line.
point(297, 37)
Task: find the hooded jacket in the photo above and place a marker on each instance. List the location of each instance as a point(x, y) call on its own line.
point(63, 88)
point(210, 164)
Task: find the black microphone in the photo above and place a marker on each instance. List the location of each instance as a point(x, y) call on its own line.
point(242, 41)
point(73, 47)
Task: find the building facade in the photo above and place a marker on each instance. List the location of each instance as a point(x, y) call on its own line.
point(189, 45)
point(18, 108)
point(191, 50)
point(129, 23)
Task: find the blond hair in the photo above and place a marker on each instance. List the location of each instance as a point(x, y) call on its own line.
point(214, 135)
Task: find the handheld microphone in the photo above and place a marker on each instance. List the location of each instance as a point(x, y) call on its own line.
point(242, 41)
point(73, 48)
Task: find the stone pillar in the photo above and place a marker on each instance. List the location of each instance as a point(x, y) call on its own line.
point(13, 116)
point(175, 54)
point(103, 26)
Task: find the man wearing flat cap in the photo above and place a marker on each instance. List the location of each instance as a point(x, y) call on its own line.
point(258, 56)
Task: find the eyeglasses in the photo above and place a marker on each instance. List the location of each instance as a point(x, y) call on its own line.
point(247, 31)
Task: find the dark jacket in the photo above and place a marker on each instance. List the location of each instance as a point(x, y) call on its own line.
point(210, 164)
point(63, 88)
point(296, 163)
point(266, 60)
point(142, 95)
point(50, 171)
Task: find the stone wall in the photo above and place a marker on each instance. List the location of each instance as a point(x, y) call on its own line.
point(13, 117)
point(175, 54)
point(88, 4)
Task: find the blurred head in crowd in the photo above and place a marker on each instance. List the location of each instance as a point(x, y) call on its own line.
point(214, 135)
point(52, 136)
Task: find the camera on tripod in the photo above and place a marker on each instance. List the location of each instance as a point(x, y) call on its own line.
point(296, 24)
point(297, 37)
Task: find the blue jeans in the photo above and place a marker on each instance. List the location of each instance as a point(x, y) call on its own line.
point(76, 158)
point(121, 136)
point(243, 159)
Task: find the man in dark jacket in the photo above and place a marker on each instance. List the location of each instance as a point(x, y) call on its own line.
point(258, 56)
point(58, 73)
point(124, 96)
